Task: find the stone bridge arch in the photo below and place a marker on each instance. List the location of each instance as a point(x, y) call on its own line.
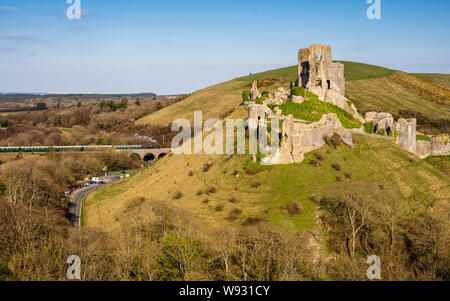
point(151, 153)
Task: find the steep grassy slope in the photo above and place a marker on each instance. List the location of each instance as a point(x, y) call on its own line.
point(218, 198)
point(370, 87)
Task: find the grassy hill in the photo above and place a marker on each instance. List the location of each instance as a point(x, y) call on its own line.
point(225, 191)
point(369, 87)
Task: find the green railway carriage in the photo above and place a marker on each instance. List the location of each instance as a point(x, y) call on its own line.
point(80, 148)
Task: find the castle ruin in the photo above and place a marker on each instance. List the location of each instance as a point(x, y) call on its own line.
point(317, 72)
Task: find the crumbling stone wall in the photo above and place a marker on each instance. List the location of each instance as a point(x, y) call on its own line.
point(381, 121)
point(300, 138)
point(256, 113)
point(254, 93)
point(407, 134)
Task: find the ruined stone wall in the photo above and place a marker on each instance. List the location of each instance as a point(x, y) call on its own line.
point(407, 134)
point(299, 138)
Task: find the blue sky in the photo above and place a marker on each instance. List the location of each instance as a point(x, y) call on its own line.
point(181, 46)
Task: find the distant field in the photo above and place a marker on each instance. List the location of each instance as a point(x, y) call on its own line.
point(442, 80)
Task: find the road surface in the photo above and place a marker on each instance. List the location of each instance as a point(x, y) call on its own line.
point(78, 195)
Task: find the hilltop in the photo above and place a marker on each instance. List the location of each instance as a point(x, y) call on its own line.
point(369, 87)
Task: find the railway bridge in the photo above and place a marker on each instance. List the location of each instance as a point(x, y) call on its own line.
point(149, 154)
point(144, 153)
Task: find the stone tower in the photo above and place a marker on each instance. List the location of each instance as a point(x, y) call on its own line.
point(317, 72)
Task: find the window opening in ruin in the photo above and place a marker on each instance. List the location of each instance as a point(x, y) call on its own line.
point(329, 84)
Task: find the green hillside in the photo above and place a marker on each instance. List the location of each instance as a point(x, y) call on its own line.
point(217, 197)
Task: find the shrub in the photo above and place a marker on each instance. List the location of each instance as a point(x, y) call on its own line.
point(298, 91)
point(265, 93)
point(219, 208)
point(200, 192)
point(234, 214)
point(348, 175)
point(336, 166)
point(369, 127)
point(292, 209)
point(333, 141)
point(253, 171)
point(206, 167)
point(259, 101)
point(246, 95)
point(191, 173)
point(232, 200)
point(251, 221)
point(319, 156)
point(314, 163)
point(211, 190)
point(178, 195)
point(256, 185)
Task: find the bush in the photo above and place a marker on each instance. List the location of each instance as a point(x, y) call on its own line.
point(251, 221)
point(246, 95)
point(178, 195)
point(265, 93)
point(369, 127)
point(333, 141)
point(256, 185)
point(319, 156)
point(232, 200)
point(219, 208)
point(348, 175)
point(206, 167)
point(211, 190)
point(292, 209)
point(200, 192)
point(336, 166)
point(234, 214)
point(314, 163)
point(259, 101)
point(298, 91)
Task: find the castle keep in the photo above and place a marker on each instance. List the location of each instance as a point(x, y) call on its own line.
point(318, 73)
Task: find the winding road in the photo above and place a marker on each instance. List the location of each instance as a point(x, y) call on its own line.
point(76, 198)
